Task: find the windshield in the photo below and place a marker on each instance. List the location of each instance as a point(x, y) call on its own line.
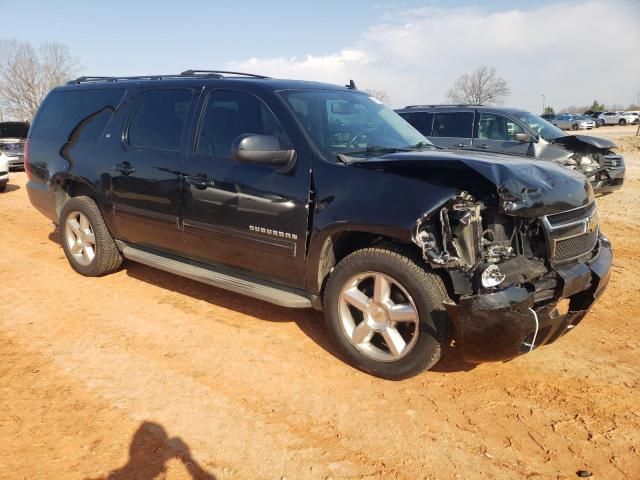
point(351, 123)
point(541, 126)
point(14, 130)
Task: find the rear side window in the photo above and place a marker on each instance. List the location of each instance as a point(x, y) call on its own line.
point(78, 116)
point(230, 114)
point(454, 124)
point(421, 121)
point(158, 119)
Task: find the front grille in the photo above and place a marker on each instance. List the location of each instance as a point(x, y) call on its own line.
point(613, 161)
point(571, 215)
point(575, 246)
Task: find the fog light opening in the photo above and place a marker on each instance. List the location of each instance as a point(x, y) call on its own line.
point(492, 276)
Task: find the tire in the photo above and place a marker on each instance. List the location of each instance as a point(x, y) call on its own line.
point(91, 259)
point(622, 122)
point(421, 293)
point(574, 126)
point(3, 186)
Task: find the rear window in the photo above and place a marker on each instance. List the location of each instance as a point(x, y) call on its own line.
point(454, 124)
point(78, 116)
point(421, 121)
point(14, 130)
point(158, 119)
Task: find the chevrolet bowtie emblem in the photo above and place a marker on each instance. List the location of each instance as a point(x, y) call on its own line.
point(590, 224)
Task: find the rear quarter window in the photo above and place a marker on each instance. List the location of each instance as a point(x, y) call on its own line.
point(421, 121)
point(78, 116)
point(454, 124)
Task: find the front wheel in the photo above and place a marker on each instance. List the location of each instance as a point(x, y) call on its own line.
point(574, 126)
point(386, 314)
point(622, 122)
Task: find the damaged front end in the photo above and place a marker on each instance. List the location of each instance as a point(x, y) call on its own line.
point(594, 157)
point(510, 267)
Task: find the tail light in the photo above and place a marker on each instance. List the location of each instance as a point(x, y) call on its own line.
point(27, 166)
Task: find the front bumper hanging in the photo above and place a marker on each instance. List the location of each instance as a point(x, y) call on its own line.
point(502, 325)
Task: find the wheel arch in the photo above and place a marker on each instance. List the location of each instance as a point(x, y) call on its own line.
point(66, 187)
point(330, 246)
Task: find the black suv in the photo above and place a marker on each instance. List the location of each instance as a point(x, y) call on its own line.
point(312, 195)
point(516, 132)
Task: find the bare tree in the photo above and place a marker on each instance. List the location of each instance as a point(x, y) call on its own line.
point(27, 75)
point(381, 95)
point(481, 86)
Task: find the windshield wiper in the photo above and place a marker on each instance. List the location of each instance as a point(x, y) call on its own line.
point(346, 156)
point(421, 145)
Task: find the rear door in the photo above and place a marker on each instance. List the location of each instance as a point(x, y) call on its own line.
point(146, 173)
point(495, 133)
point(453, 129)
point(247, 216)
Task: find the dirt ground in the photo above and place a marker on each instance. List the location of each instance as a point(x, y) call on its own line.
point(142, 375)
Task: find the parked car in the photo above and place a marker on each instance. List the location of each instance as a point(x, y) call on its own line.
point(570, 121)
point(635, 114)
point(4, 173)
point(12, 138)
point(517, 132)
point(616, 118)
point(305, 194)
point(595, 115)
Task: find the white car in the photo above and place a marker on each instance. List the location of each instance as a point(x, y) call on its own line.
point(616, 118)
point(4, 172)
point(635, 114)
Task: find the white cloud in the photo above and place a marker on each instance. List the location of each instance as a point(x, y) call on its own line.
point(571, 52)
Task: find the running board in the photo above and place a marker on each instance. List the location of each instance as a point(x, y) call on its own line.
point(262, 290)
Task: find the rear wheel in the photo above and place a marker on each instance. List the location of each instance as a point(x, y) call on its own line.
point(86, 241)
point(622, 122)
point(385, 313)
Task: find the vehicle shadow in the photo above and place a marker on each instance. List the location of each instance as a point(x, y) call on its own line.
point(11, 187)
point(150, 450)
point(310, 322)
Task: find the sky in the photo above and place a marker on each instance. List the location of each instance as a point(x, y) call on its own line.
point(572, 52)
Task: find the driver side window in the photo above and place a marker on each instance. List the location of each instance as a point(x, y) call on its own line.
point(229, 114)
point(497, 127)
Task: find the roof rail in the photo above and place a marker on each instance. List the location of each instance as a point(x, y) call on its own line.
point(454, 105)
point(220, 73)
point(186, 73)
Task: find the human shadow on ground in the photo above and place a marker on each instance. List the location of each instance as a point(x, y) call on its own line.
point(150, 450)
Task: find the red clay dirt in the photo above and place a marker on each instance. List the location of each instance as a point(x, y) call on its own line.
point(142, 374)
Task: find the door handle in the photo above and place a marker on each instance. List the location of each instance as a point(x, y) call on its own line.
point(125, 168)
point(459, 145)
point(200, 181)
point(483, 145)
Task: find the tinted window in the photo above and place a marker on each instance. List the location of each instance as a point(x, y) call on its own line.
point(158, 119)
point(76, 115)
point(421, 121)
point(230, 114)
point(454, 124)
point(14, 130)
point(497, 127)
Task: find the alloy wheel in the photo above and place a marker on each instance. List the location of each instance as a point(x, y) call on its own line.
point(378, 316)
point(81, 240)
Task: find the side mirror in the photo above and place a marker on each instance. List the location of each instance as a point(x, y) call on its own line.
point(521, 137)
point(261, 149)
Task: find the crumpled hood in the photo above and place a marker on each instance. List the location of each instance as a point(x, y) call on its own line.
point(571, 141)
point(526, 188)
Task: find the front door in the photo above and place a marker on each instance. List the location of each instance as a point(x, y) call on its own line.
point(250, 217)
point(495, 133)
point(146, 173)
